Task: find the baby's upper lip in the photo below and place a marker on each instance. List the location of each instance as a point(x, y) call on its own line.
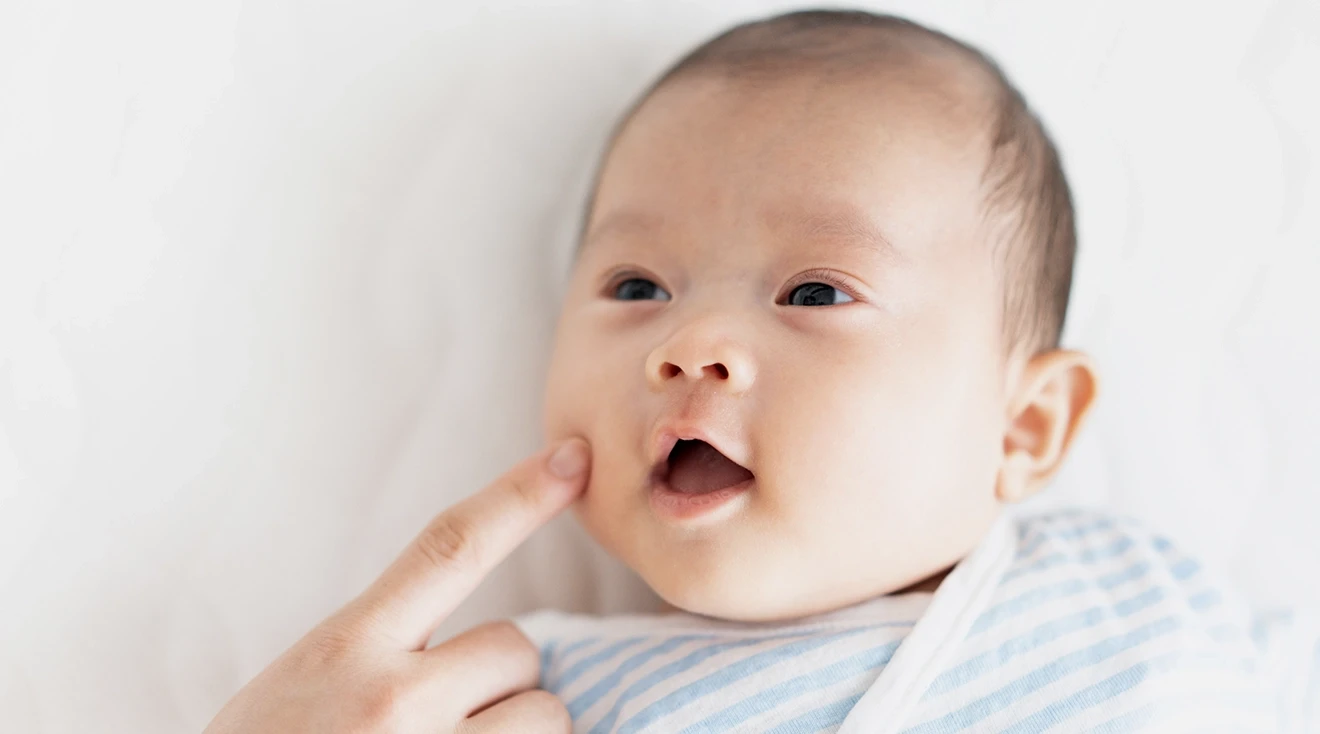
point(669, 433)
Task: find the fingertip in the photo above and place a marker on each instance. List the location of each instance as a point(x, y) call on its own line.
point(570, 460)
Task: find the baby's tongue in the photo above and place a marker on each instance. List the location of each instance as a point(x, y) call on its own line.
point(696, 467)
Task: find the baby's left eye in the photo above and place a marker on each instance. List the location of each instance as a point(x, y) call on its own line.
point(817, 294)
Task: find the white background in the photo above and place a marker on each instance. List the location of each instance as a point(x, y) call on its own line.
point(277, 281)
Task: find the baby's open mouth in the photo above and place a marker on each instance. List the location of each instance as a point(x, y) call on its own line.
point(696, 467)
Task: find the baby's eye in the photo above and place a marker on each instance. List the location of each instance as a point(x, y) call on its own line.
point(639, 289)
point(817, 294)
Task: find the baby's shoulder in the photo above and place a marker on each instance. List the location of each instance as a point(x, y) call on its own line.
point(1086, 537)
point(1108, 552)
point(1095, 607)
point(1132, 574)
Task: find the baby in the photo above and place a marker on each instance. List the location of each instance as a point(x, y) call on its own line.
point(812, 335)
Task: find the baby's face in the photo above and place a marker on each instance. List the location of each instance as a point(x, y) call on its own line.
point(796, 275)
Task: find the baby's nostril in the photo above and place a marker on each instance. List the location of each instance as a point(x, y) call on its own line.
point(669, 370)
point(720, 370)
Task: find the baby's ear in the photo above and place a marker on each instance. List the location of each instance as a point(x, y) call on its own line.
point(1053, 395)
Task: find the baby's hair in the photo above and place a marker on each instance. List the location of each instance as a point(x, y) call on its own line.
point(1028, 203)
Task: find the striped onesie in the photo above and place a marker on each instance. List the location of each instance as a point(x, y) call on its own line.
point(1070, 621)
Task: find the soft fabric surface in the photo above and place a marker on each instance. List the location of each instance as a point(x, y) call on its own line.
point(1067, 621)
point(277, 282)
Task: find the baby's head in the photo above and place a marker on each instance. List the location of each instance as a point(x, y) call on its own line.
point(812, 330)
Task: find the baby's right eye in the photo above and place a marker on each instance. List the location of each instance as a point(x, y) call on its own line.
point(639, 289)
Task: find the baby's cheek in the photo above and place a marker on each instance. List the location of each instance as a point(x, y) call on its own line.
point(609, 509)
point(557, 418)
point(569, 404)
point(855, 455)
point(563, 420)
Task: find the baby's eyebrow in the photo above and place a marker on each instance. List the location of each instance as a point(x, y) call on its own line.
point(625, 222)
point(847, 226)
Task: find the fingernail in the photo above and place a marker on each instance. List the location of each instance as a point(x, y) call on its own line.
point(569, 460)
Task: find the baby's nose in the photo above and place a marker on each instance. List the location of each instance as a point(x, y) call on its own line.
point(696, 354)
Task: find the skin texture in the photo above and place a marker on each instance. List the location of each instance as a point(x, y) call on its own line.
point(886, 433)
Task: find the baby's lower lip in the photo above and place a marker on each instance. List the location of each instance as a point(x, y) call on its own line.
point(670, 504)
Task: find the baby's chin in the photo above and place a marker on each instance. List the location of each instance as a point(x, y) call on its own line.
point(713, 576)
point(733, 574)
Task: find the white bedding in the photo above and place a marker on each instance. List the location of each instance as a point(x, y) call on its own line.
point(277, 281)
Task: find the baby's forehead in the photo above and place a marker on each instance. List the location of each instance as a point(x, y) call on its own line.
point(934, 104)
point(915, 68)
point(800, 153)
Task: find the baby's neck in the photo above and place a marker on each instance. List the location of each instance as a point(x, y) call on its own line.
point(927, 585)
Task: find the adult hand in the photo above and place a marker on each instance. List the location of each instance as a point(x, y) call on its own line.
point(367, 669)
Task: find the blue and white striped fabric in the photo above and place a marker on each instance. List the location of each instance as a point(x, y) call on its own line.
point(1072, 621)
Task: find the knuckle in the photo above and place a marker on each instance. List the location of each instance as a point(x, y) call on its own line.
point(515, 641)
point(324, 653)
point(381, 704)
point(450, 543)
point(545, 707)
point(500, 630)
point(329, 647)
point(506, 640)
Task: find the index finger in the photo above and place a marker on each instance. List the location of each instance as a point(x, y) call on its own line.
point(443, 564)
